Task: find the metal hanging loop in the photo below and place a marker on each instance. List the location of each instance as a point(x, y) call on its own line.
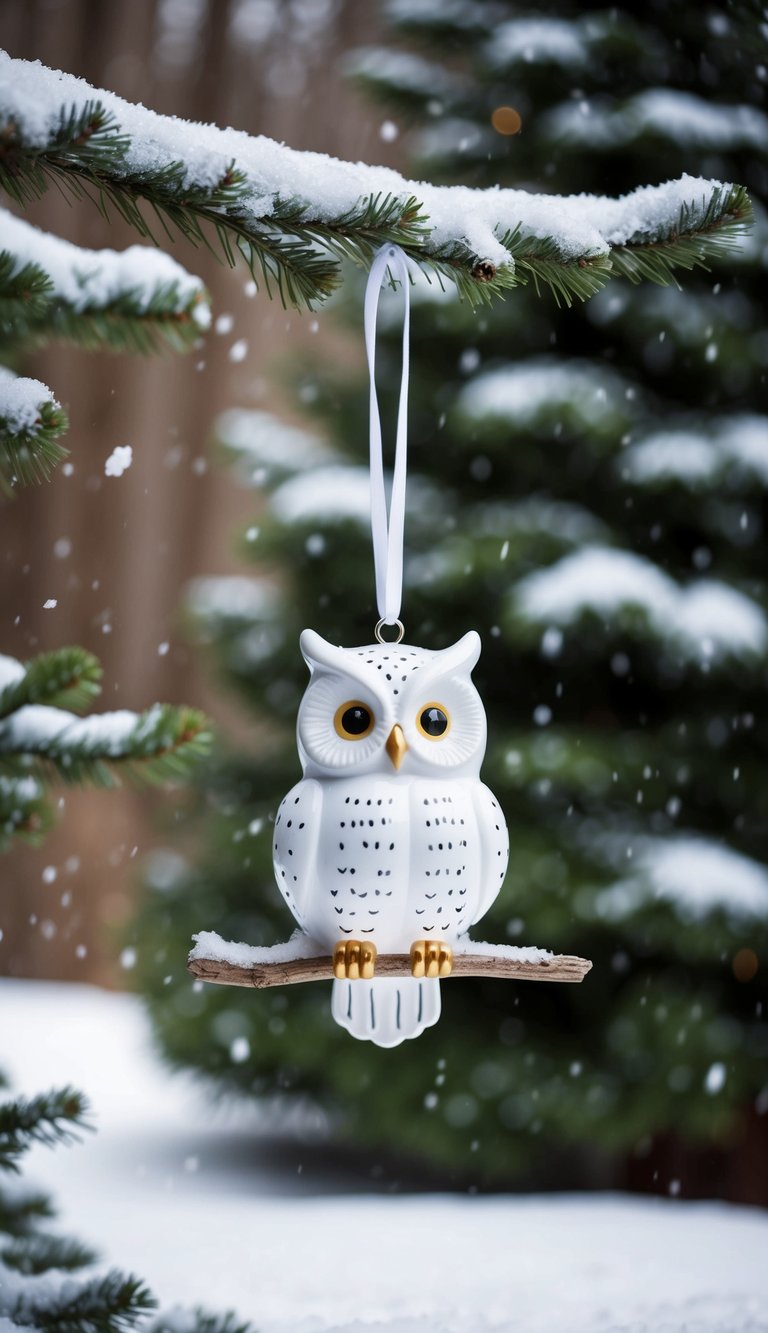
point(397, 624)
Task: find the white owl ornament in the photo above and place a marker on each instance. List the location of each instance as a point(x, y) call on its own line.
point(390, 843)
point(390, 847)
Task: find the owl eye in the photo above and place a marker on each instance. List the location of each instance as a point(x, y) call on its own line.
point(433, 721)
point(353, 721)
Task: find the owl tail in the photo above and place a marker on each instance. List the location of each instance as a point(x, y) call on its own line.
point(386, 1011)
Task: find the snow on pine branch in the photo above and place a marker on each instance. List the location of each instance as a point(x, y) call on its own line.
point(274, 205)
point(266, 448)
point(50, 1302)
point(667, 113)
point(407, 74)
point(524, 393)
point(37, 729)
point(31, 422)
point(22, 401)
point(140, 282)
point(157, 744)
point(706, 618)
point(544, 41)
point(340, 493)
point(696, 875)
point(232, 598)
point(734, 448)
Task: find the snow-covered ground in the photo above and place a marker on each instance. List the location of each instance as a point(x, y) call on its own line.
point(198, 1204)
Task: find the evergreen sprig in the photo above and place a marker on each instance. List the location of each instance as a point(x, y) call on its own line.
point(30, 454)
point(22, 1212)
point(63, 678)
point(25, 810)
point(698, 237)
point(40, 1252)
point(50, 1118)
point(25, 291)
point(32, 314)
point(108, 1304)
point(160, 748)
point(49, 742)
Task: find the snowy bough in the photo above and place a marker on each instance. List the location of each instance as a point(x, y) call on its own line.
point(42, 740)
point(291, 217)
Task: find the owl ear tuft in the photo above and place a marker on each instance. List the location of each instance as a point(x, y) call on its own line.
point(462, 655)
point(318, 653)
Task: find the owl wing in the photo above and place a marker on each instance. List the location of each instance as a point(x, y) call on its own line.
point(494, 847)
point(295, 842)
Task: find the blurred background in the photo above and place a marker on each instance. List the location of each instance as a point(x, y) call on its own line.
point(588, 491)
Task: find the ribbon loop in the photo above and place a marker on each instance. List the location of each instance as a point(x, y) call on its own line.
point(387, 528)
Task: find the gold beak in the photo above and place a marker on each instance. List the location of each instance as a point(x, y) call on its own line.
point(396, 745)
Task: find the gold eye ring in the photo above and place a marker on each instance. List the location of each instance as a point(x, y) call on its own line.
point(353, 721)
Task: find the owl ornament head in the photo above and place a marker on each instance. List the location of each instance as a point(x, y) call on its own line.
point(390, 843)
point(389, 708)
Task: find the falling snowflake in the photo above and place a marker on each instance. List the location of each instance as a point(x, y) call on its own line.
point(119, 460)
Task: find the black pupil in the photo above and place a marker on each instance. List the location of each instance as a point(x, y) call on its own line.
point(356, 720)
point(434, 721)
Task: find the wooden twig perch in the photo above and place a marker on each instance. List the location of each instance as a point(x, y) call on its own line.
point(554, 967)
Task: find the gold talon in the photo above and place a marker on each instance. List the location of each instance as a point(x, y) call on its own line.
point(353, 960)
point(431, 958)
point(368, 960)
point(418, 952)
point(445, 960)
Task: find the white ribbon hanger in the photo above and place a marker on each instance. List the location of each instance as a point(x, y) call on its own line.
point(387, 528)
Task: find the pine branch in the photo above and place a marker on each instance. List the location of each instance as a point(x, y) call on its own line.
point(229, 192)
point(31, 423)
point(198, 1321)
point(152, 747)
point(450, 21)
point(40, 740)
point(702, 233)
point(25, 289)
point(25, 811)
point(51, 1118)
point(20, 1213)
point(36, 1254)
point(64, 678)
point(109, 1304)
point(404, 80)
point(261, 449)
point(137, 300)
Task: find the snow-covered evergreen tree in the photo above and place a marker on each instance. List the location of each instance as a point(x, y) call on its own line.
point(587, 489)
point(47, 1281)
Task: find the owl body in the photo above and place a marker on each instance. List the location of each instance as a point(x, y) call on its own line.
point(390, 836)
point(389, 858)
